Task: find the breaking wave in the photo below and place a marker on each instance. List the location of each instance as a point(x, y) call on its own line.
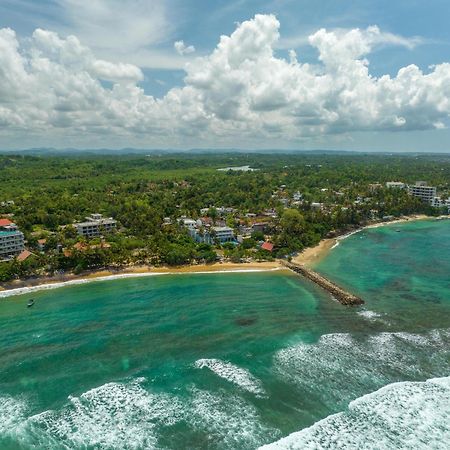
point(127, 416)
point(230, 421)
point(234, 374)
point(341, 367)
point(406, 415)
point(113, 415)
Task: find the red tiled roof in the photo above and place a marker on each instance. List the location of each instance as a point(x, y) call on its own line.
point(267, 246)
point(24, 255)
point(5, 222)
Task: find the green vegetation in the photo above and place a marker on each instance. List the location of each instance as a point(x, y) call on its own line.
point(44, 194)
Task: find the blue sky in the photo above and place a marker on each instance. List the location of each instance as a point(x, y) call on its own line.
point(142, 33)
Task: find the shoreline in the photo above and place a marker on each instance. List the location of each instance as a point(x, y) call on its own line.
point(311, 256)
point(20, 287)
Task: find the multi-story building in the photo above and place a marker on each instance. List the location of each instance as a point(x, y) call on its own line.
point(439, 202)
point(95, 225)
point(11, 240)
point(423, 191)
point(223, 234)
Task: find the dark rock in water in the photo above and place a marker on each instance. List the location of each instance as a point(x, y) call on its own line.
point(245, 321)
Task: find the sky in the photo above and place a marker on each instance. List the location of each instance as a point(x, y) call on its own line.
point(371, 75)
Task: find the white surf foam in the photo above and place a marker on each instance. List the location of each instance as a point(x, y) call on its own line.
point(340, 367)
point(44, 287)
point(407, 415)
point(112, 416)
point(127, 416)
point(232, 373)
point(347, 235)
point(370, 315)
point(228, 420)
point(12, 414)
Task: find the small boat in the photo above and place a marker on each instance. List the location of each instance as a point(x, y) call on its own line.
point(30, 303)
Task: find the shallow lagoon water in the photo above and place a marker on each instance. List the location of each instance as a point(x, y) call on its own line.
point(239, 360)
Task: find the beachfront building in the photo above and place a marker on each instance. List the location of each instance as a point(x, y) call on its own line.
point(439, 202)
point(223, 234)
point(211, 235)
point(423, 191)
point(11, 240)
point(95, 225)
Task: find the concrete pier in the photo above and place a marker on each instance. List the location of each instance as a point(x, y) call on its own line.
point(341, 295)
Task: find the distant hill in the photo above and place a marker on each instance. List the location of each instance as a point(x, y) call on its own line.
point(44, 151)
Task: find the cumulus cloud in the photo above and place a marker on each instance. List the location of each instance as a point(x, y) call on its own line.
point(377, 37)
point(242, 91)
point(182, 48)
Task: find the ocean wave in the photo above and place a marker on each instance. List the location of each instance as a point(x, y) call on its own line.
point(234, 374)
point(367, 314)
point(230, 421)
point(111, 416)
point(347, 235)
point(12, 414)
point(373, 316)
point(341, 366)
point(128, 416)
point(405, 415)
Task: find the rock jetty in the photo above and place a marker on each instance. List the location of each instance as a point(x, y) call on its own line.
point(341, 295)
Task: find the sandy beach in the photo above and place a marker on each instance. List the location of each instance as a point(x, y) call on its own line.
point(18, 287)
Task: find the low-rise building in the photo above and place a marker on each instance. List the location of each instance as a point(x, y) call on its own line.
point(24, 255)
point(95, 225)
point(268, 246)
point(395, 184)
point(375, 186)
point(259, 226)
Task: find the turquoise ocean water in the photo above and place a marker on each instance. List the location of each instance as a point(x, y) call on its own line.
point(239, 361)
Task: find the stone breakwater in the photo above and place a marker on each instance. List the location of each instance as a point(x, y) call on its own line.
point(341, 295)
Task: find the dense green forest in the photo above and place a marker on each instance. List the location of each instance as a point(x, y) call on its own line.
point(43, 194)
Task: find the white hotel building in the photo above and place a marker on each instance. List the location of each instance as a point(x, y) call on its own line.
point(95, 225)
point(423, 191)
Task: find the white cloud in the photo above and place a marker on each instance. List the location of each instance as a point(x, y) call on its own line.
point(136, 31)
point(373, 34)
point(182, 48)
point(242, 92)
